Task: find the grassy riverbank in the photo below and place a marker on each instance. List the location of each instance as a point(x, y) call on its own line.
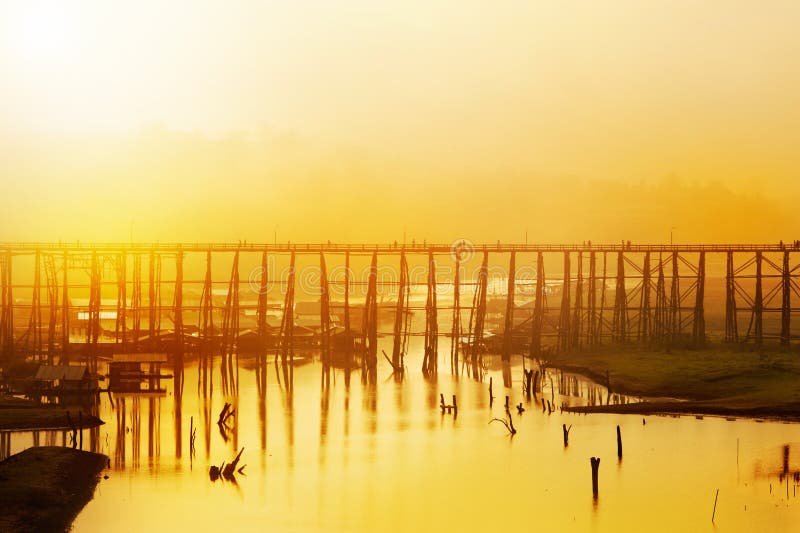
point(44, 489)
point(717, 380)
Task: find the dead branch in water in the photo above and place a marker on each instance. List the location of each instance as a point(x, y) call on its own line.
point(396, 369)
point(227, 471)
point(508, 424)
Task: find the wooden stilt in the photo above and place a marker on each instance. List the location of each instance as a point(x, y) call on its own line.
point(538, 309)
point(591, 332)
point(564, 318)
point(786, 300)
point(430, 362)
point(369, 330)
point(577, 315)
point(508, 330)
point(455, 332)
point(476, 346)
point(758, 303)
point(644, 306)
point(620, 302)
point(324, 313)
point(699, 323)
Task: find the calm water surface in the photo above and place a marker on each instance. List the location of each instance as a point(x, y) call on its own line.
point(383, 458)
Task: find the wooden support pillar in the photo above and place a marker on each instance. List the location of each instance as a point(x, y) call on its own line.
point(347, 295)
point(564, 318)
point(8, 306)
point(93, 328)
point(287, 320)
point(731, 324)
point(263, 309)
point(577, 315)
point(324, 313)
point(620, 324)
point(120, 327)
point(644, 303)
point(786, 300)
point(508, 329)
point(369, 329)
point(136, 301)
point(430, 361)
point(591, 332)
point(178, 314)
point(206, 324)
point(65, 309)
point(476, 346)
point(151, 300)
point(400, 313)
point(52, 300)
point(230, 317)
point(538, 309)
point(34, 335)
point(758, 303)
point(675, 300)
point(455, 334)
point(699, 324)
point(661, 330)
point(600, 323)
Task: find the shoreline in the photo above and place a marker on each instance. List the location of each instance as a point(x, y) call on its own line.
point(45, 488)
point(713, 382)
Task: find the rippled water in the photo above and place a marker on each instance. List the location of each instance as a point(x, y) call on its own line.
point(355, 457)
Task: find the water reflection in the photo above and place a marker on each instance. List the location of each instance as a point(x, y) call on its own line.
point(359, 455)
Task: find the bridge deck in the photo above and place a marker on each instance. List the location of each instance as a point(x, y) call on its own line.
point(387, 248)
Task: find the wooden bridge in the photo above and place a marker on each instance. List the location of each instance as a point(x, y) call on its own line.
point(59, 298)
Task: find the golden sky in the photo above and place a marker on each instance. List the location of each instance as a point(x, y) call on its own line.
point(353, 120)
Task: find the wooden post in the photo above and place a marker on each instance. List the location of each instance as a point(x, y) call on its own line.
point(369, 330)
point(602, 297)
point(122, 300)
point(324, 312)
point(619, 443)
point(136, 300)
point(65, 310)
point(675, 301)
point(577, 318)
point(591, 333)
point(347, 295)
point(263, 310)
point(786, 304)
point(731, 325)
point(151, 300)
point(595, 462)
point(399, 311)
point(758, 303)
point(178, 313)
point(480, 309)
point(620, 301)
point(644, 306)
point(286, 344)
point(538, 309)
point(455, 334)
point(566, 435)
point(430, 362)
point(699, 325)
point(564, 318)
point(508, 329)
point(661, 330)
